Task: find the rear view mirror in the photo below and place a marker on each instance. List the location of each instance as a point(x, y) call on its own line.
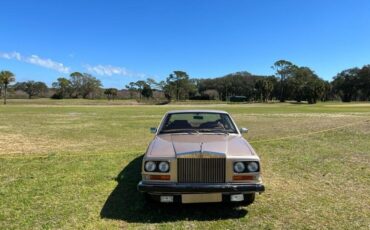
point(153, 130)
point(243, 130)
point(198, 117)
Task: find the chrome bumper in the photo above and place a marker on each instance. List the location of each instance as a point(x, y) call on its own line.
point(179, 188)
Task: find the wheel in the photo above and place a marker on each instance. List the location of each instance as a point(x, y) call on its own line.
point(248, 199)
point(148, 198)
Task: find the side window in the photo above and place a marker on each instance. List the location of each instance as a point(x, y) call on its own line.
point(227, 122)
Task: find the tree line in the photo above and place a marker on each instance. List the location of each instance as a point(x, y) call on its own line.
point(290, 82)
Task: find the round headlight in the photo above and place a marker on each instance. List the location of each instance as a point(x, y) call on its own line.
point(252, 167)
point(239, 167)
point(163, 166)
point(150, 166)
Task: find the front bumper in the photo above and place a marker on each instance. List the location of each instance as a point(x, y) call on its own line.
point(179, 188)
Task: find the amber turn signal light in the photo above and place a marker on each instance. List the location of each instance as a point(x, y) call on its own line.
point(243, 177)
point(160, 177)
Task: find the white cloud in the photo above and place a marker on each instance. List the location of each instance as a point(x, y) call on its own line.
point(12, 55)
point(36, 60)
point(108, 70)
point(47, 63)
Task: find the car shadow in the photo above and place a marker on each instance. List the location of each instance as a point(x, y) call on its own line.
point(127, 204)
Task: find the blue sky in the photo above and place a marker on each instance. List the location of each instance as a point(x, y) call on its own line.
point(123, 41)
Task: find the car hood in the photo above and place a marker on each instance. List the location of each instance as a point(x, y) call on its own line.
point(172, 145)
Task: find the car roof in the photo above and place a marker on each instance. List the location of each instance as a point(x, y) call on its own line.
point(197, 111)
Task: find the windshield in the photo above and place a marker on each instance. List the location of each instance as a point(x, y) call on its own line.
point(203, 122)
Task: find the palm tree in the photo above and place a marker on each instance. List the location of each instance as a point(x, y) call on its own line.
point(5, 78)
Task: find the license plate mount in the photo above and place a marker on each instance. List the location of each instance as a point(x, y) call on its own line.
point(201, 198)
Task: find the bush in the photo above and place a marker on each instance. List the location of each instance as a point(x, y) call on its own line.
point(238, 98)
point(57, 96)
point(200, 97)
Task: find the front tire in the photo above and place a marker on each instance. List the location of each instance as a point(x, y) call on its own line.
point(248, 199)
point(148, 198)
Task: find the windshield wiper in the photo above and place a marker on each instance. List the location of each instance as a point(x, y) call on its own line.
point(180, 131)
point(214, 131)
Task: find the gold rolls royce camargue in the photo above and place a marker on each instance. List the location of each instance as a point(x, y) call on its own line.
point(200, 156)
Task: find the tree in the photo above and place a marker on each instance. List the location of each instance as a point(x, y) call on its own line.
point(111, 93)
point(327, 95)
point(161, 85)
point(352, 84)
point(153, 84)
point(147, 91)
point(6, 77)
point(235, 84)
point(144, 88)
point(84, 85)
point(76, 79)
point(140, 86)
point(32, 88)
point(265, 87)
point(131, 87)
point(268, 87)
point(178, 85)
point(63, 87)
point(346, 84)
point(364, 83)
point(90, 86)
point(177, 79)
point(284, 69)
point(304, 84)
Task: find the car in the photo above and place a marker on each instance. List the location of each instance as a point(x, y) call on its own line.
point(200, 156)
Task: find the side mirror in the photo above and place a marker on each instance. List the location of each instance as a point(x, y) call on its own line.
point(243, 130)
point(153, 130)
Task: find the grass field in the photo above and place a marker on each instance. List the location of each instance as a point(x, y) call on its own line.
point(75, 164)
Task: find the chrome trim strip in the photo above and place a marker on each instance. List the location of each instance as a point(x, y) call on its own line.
point(201, 152)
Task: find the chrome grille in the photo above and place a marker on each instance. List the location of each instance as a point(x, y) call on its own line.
point(201, 170)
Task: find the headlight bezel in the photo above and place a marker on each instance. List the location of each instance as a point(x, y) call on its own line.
point(148, 162)
point(246, 168)
point(157, 163)
point(257, 167)
point(239, 164)
point(162, 163)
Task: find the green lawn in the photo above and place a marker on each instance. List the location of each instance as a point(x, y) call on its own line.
point(75, 164)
